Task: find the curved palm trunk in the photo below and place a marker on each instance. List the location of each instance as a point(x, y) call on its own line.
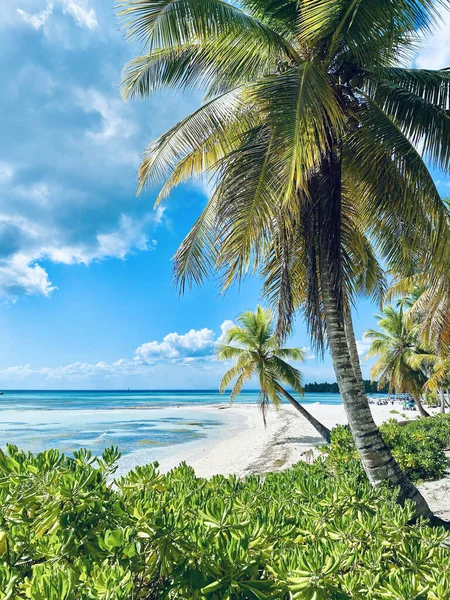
point(422, 411)
point(376, 457)
point(353, 348)
point(441, 393)
point(321, 429)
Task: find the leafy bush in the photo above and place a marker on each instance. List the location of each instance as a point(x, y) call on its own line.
point(418, 447)
point(66, 534)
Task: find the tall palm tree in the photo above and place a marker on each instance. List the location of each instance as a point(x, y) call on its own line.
point(307, 118)
point(396, 345)
point(259, 355)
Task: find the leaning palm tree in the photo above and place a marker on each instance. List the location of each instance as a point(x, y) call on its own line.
point(396, 346)
point(259, 356)
point(307, 118)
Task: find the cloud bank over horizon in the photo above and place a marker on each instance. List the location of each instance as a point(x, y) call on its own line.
point(154, 365)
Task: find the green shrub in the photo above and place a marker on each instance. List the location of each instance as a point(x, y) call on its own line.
point(305, 533)
point(418, 447)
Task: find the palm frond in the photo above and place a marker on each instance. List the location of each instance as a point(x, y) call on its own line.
point(187, 135)
point(174, 23)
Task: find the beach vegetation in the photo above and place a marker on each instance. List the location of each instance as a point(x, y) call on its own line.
point(419, 447)
point(308, 134)
point(310, 532)
point(253, 345)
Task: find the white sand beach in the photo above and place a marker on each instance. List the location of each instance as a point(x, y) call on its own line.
point(246, 446)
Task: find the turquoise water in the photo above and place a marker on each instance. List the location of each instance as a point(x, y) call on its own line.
point(93, 400)
point(134, 421)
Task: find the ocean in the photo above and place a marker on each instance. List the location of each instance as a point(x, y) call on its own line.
point(136, 421)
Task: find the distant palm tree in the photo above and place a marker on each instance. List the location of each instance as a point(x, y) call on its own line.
point(258, 355)
point(438, 370)
point(396, 345)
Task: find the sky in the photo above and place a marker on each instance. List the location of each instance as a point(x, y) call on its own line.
point(86, 294)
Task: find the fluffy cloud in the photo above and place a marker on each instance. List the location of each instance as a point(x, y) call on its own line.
point(194, 349)
point(18, 276)
point(186, 357)
point(25, 242)
point(224, 328)
point(81, 13)
point(6, 171)
point(435, 50)
point(192, 344)
point(71, 147)
point(37, 20)
point(363, 346)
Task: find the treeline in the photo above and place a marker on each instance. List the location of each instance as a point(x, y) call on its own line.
point(371, 387)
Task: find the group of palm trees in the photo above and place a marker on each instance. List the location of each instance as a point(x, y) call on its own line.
point(314, 135)
point(407, 362)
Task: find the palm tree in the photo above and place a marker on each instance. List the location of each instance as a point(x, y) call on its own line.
point(259, 355)
point(427, 297)
point(307, 119)
point(396, 345)
point(438, 366)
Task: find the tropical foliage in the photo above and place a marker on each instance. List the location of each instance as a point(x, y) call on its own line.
point(306, 533)
point(418, 447)
point(370, 387)
point(254, 347)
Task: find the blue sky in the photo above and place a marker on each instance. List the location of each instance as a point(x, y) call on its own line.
point(85, 273)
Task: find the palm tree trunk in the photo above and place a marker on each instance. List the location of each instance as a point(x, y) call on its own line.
point(448, 398)
point(422, 411)
point(353, 348)
point(441, 393)
point(321, 429)
point(376, 457)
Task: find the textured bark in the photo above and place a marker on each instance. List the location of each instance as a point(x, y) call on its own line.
point(353, 348)
point(422, 411)
point(321, 429)
point(441, 393)
point(376, 457)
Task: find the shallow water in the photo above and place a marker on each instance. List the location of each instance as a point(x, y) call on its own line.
point(136, 422)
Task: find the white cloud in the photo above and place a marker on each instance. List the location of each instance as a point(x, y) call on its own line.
point(6, 171)
point(81, 13)
point(129, 235)
point(116, 130)
point(363, 346)
point(435, 51)
point(191, 344)
point(37, 20)
point(193, 349)
point(18, 276)
point(178, 359)
point(24, 243)
point(224, 328)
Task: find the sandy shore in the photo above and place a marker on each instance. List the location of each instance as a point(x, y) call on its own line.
point(246, 446)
